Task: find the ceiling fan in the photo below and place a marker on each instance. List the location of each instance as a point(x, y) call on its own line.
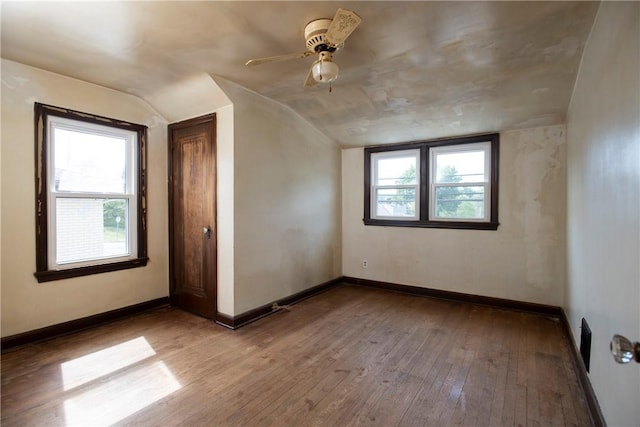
point(323, 37)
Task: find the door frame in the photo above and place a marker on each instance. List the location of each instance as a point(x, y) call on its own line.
point(205, 119)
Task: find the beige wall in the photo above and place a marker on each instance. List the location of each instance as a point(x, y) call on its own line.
point(26, 304)
point(523, 260)
point(603, 231)
point(225, 208)
point(287, 202)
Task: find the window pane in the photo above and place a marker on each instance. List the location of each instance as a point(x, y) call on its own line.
point(88, 229)
point(89, 162)
point(464, 166)
point(460, 202)
point(397, 202)
point(396, 170)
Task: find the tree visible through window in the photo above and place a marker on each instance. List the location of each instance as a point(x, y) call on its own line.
point(450, 201)
point(114, 214)
point(408, 177)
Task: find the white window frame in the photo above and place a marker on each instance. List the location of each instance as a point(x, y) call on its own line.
point(130, 193)
point(375, 158)
point(433, 185)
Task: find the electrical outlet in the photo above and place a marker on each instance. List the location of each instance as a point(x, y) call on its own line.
point(364, 263)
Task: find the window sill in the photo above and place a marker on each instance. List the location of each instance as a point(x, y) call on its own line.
point(456, 225)
point(51, 275)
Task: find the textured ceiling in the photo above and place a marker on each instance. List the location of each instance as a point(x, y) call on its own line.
point(410, 71)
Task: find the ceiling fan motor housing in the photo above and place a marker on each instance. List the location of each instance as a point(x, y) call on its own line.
point(314, 34)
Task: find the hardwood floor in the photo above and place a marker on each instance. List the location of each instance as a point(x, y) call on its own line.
point(349, 356)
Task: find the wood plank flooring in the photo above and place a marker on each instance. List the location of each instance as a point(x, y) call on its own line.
point(350, 356)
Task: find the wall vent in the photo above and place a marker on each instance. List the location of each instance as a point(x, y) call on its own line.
point(585, 343)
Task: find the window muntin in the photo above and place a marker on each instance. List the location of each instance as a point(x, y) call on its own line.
point(459, 182)
point(395, 189)
point(90, 194)
point(456, 183)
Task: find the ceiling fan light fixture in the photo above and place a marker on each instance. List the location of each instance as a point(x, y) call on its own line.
point(325, 71)
point(323, 37)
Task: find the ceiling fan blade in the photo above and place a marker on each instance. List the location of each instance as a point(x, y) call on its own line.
point(342, 26)
point(259, 61)
point(310, 81)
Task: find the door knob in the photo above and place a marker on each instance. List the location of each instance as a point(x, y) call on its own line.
point(206, 231)
point(623, 350)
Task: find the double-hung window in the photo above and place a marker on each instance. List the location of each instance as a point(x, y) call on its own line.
point(90, 204)
point(459, 187)
point(395, 186)
point(451, 183)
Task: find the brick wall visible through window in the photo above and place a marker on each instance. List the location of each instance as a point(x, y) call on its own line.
point(79, 225)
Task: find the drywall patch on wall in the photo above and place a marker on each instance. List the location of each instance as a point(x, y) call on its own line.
point(522, 260)
point(538, 169)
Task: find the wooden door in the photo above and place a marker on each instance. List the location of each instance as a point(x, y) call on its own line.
point(192, 215)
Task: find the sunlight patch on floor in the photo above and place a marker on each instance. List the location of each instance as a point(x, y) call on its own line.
point(109, 385)
point(120, 397)
point(95, 365)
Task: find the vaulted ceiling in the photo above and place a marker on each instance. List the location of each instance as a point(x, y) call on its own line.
point(411, 70)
